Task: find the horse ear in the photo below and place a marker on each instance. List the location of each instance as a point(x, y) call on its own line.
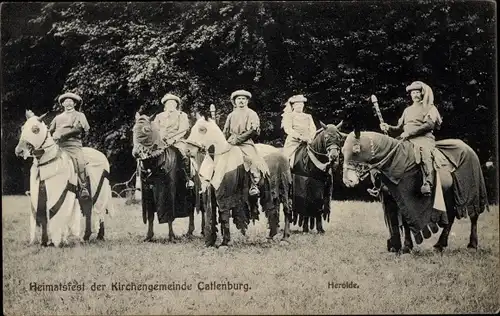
point(29, 114)
point(339, 125)
point(322, 125)
point(197, 115)
point(40, 118)
point(152, 117)
point(137, 115)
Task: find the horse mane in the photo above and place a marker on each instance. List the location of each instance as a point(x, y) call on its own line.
point(382, 145)
point(374, 145)
point(318, 143)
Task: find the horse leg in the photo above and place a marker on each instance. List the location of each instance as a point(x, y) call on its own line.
point(171, 235)
point(391, 216)
point(287, 214)
point(32, 229)
point(87, 210)
point(151, 218)
point(319, 224)
point(224, 223)
point(210, 224)
point(191, 225)
point(45, 236)
point(473, 232)
point(408, 243)
point(273, 219)
point(100, 234)
point(443, 238)
point(202, 223)
point(305, 224)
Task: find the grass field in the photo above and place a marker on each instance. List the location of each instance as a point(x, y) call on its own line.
point(282, 278)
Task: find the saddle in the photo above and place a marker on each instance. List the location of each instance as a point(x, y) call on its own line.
point(440, 161)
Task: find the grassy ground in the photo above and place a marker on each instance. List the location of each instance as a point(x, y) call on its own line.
point(283, 279)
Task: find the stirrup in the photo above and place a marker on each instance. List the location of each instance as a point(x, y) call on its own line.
point(373, 192)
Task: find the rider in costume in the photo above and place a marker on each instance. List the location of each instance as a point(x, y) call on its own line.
point(242, 124)
point(174, 125)
point(67, 130)
point(298, 126)
point(418, 123)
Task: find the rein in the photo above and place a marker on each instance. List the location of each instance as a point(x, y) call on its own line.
point(380, 163)
point(313, 153)
point(41, 150)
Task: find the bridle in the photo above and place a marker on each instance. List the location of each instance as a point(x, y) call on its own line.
point(38, 152)
point(366, 168)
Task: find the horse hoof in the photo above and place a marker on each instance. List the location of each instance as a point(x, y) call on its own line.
point(100, 238)
point(406, 249)
point(471, 246)
point(321, 231)
point(284, 242)
point(188, 236)
point(438, 247)
point(148, 239)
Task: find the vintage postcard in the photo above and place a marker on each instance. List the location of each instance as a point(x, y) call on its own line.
point(228, 158)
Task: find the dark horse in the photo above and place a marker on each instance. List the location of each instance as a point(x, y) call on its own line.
point(460, 176)
point(312, 176)
point(162, 180)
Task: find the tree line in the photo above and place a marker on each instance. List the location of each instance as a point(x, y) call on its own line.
point(123, 57)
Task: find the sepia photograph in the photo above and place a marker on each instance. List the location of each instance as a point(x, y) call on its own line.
point(250, 157)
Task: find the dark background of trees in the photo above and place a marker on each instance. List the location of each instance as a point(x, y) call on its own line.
point(123, 57)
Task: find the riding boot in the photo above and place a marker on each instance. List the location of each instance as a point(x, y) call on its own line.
point(427, 172)
point(82, 179)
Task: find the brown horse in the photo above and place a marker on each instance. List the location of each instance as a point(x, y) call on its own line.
point(461, 180)
point(162, 180)
point(312, 176)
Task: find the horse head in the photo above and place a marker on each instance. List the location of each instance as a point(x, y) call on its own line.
point(205, 132)
point(334, 139)
point(359, 152)
point(34, 134)
point(146, 136)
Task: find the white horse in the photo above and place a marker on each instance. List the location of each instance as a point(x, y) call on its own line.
point(53, 185)
point(227, 175)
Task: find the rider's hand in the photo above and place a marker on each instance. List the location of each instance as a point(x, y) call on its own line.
point(135, 153)
point(169, 141)
point(404, 135)
point(56, 137)
point(384, 127)
point(232, 140)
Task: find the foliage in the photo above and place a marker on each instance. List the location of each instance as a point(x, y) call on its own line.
point(123, 57)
